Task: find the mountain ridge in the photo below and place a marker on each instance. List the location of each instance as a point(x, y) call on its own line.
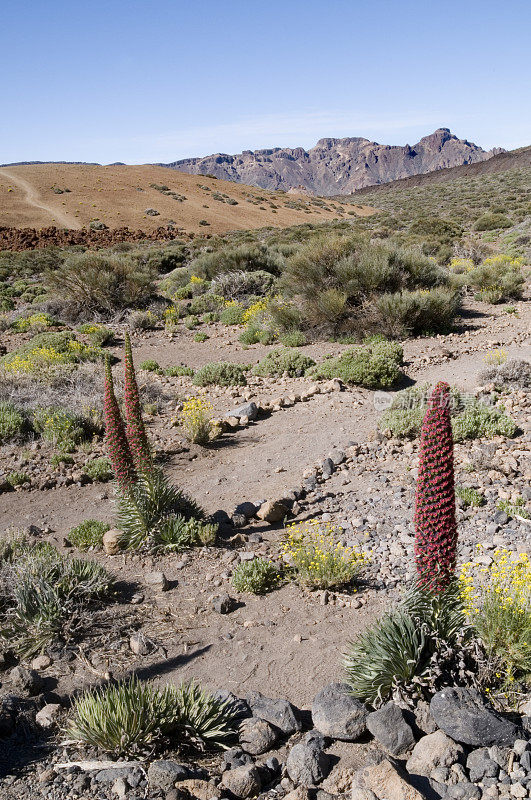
point(337, 165)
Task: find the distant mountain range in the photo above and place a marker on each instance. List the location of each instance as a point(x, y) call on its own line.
point(337, 166)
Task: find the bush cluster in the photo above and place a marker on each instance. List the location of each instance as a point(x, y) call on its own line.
point(281, 362)
point(221, 373)
point(375, 365)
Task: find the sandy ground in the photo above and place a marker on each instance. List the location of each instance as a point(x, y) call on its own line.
point(120, 195)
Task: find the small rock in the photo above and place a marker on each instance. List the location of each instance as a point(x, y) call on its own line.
point(157, 580)
point(278, 712)
point(119, 788)
point(242, 781)
point(257, 736)
point(307, 763)
point(385, 782)
point(41, 662)
point(390, 729)
point(463, 791)
point(165, 774)
point(223, 604)
point(247, 509)
point(480, 765)
point(272, 511)
point(25, 681)
point(201, 789)
point(249, 410)
point(463, 715)
point(335, 713)
point(47, 717)
point(434, 750)
point(111, 541)
point(139, 644)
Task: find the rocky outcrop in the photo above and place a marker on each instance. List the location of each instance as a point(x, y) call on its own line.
point(337, 166)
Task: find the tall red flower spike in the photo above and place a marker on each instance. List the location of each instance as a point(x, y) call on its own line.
point(115, 438)
point(435, 519)
point(135, 429)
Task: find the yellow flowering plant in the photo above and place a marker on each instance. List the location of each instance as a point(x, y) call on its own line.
point(196, 421)
point(497, 600)
point(317, 559)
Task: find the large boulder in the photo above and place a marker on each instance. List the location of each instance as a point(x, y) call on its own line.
point(165, 774)
point(463, 715)
point(389, 727)
point(257, 736)
point(307, 763)
point(337, 714)
point(434, 750)
point(278, 712)
point(383, 781)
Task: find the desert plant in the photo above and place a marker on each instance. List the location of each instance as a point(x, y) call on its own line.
point(479, 419)
point(375, 365)
point(514, 508)
point(246, 258)
point(514, 372)
point(150, 508)
point(48, 352)
point(13, 424)
point(258, 576)
point(139, 320)
point(281, 361)
point(132, 718)
point(191, 322)
point(99, 469)
point(238, 285)
point(17, 478)
point(491, 222)
point(195, 420)
point(88, 534)
point(232, 314)
point(470, 498)
point(293, 339)
point(435, 521)
point(201, 336)
point(115, 437)
point(150, 365)
point(134, 424)
point(99, 335)
point(179, 371)
point(412, 313)
point(317, 559)
point(62, 428)
point(221, 373)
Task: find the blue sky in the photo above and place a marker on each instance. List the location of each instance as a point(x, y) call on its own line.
point(140, 81)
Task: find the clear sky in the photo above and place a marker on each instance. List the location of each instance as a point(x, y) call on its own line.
point(143, 81)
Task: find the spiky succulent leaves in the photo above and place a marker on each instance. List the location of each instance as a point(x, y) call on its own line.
point(146, 511)
point(203, 718)
point(442, 612)
point(115, 438)
point(389, 654)
point(134, 423)
point(435, 518)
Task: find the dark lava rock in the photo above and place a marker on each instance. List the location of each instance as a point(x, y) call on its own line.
point(390, 729)
point(335, 713)
point(307, 763)
point(462, 714)
point(279, 713)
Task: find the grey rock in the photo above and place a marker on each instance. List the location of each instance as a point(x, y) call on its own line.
point(165, 774)
point(500, 517)
point(307, 763)
point(247, 509)
point(335, 713)
point(238, 707)
point(389, 727)
point(520, 746)
point(47, 717)
point(25, 681)
point(257, 736)
point(463, 715)
point(110, 774)
point(480, 765)
point(463, 791)
point(249, 410)
point(337, 457)
point(157, 580)
point(327, 467)
point(242, 781)
point(525, 761)
point(223, 603)
point(278, 712)
point(235, 757)
point(434, 750)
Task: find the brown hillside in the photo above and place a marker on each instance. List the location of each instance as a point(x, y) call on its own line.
point(120, 195)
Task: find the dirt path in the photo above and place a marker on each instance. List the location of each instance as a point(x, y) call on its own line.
point(33, 199)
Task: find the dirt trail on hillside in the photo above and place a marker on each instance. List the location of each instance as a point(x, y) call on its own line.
point(33, 199)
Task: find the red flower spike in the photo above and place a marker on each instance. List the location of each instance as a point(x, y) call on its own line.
point(115, 438)
point(435, 519)
point(135, 429)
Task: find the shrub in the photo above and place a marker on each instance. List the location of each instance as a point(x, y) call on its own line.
point(497, 279)
point(88, 534)
point(195, 420)
point(498, 602)
point(280, 361)
point(179, 371)
point(244, 258)
point(514, 509)
point(395, 655)
point(177, 279)
point(132, 719)
point(99, 335)
point(200, 336)
point(62, 428)
point(254, 334)
point(293, 339)
point(481, 420)
point(221, 373)
point(413, 313)
point(435, 520)
point(210, 317)
point(151, 366)
point(142, 320)
point(515, 372)
point(208, 302)
point(232, 314)
point(317, 560)
point(491, 222)
point(34, 323)
point(13, 424)
point(239, 285)
point(257, 576)
point(99, 469)
point(191, 322)
point(149, 510)
point(375, 365)
point(496, 357)
point(17, 478)
point(48, 351)
point(92, 283)
point(470, 497)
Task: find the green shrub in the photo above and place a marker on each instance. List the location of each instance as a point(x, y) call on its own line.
point(515, 372)
point(151, 366)
point(221, 373)
point(491, 222)
point(201, 336)
point(470, 497)
point(375, 365)
point(154, 513)
point(62, 428)
point(178, 371)
point(257, 576)
point(395, 653)
point(133, 719)
point(210, 317)
point(34, 322)
point(254, 334)
point(517, 508)
point(280, 361)
point(13, 424)
point(48, 351)
point(99, 335)
point(17, 479)
point(318, 561)
point(414, 313)
point(497, 279)
point(99, 469)
point(191, 322)
point(95, 283)
point(177, 279)
point(206, 303)
point(61, 458)
point(480, 420)
point(232, 315)
point(241, 285)
point(88, 534)
point(293, 339)
point(246, 258)
point(139, 320)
